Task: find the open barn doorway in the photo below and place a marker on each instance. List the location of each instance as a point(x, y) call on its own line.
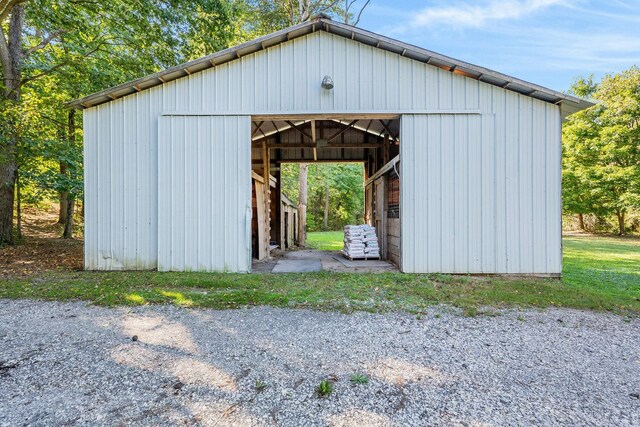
point(351, 166)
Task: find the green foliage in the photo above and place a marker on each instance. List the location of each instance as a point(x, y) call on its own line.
point(325, 388)
point(260, 17)
point(260, 386)
point(344, 182)
point(358, 378)
point(325, 240)
point(601, 148)
point(77, 48)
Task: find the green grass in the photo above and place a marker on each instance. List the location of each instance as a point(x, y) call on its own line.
point(604, 263)
point(600, 274)
point(325, 240)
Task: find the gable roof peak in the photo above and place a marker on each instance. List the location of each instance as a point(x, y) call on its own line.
point(321, 22)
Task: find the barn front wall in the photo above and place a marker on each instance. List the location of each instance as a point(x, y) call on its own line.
point(467, 139)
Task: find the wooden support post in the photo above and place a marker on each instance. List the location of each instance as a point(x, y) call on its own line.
point(313, 139)
point(267, 197)
point(385, 149)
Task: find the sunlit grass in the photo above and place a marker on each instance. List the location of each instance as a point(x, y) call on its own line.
point(599, 274)
point(325, 240)
point(602, 262)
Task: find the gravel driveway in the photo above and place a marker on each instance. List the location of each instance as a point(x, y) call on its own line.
point(73, 364)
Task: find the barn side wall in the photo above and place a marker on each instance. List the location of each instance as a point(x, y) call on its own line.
point(121, 144)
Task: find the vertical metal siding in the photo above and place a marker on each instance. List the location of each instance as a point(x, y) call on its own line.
point(120, 181)
point(476, 199)
point(204, 193)
point(480, 193)
point(286, 78)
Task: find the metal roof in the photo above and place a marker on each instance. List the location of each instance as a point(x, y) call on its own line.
point(569, 104)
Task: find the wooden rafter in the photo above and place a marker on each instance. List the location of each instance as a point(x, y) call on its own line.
point(340, 132)
point(385, 126)
point(300, 131)
point(258, 126)
point(334, 145)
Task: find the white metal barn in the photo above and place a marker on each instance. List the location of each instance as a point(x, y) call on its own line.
point(463, 164)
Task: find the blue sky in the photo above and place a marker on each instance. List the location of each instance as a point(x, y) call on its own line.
point(549, 42)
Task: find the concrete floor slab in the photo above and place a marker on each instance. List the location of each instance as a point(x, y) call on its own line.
point(297, 266)
point(309, 260)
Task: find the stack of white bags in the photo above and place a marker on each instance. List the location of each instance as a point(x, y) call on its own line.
point(360, 241)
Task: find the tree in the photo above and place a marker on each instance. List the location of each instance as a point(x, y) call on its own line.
point(302, 204)
point(39, 39)
point(602, 150)
point(345, 201)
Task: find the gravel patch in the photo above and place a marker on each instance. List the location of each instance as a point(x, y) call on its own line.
point(73, 364)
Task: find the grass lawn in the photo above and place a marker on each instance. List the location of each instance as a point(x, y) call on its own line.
point(600, 274)
point(325, 240)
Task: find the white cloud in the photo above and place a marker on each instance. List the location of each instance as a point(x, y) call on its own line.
point(476, 14)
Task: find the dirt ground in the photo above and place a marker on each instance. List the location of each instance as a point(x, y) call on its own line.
point(42, 248)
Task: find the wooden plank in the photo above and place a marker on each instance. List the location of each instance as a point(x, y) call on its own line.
point(258, 126)
point(296, 128)
point(385, 126)
point(336, 160)
point(393, 240)
point(257, 177)
point(339, 133)
point(325, 116)
point(385, 149)
point(267, 198)
point(381, 214)
point(313, 139)
point(262, 249)
point(273, 145)
point(384, 169)
point(394, 227)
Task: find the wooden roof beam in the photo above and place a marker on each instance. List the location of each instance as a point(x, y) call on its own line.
point(385, 126)
point(340, 132)
point(300, 131)
point(258, 126)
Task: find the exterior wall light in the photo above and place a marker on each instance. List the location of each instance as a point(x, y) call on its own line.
point(327, 82)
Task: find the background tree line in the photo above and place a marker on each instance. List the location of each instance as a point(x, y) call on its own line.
point(335, 193)
point(53, 51)
point(601, 154)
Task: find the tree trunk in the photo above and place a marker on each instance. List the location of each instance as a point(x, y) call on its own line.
point(620, 214)
point(68, 224)
point(302, 204)
point(581, 221)
point(7, 193)
point(325, 219)
point(18, 207)
point(69, 199)
point(11, 56)
point(62, 216)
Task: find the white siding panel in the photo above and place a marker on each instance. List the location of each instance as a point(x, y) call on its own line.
point(433, 183)
point(500, 144)
point(202, 225)
point(91, 173)
point(553, 188)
